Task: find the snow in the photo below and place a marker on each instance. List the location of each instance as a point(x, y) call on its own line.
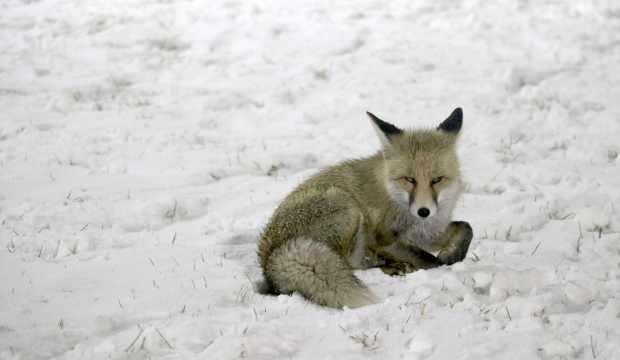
point(143, 145)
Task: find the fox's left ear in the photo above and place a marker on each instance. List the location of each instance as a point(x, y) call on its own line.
point(453, 123)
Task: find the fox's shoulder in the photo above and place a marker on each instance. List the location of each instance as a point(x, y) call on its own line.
point(349, 174)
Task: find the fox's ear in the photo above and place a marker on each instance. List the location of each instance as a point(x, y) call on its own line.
point(453, 123)
point(385, 131)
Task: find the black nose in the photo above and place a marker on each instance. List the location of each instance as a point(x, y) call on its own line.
point(424, 212)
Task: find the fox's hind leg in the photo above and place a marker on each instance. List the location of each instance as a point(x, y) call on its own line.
point(458, 237)
point(312, 260)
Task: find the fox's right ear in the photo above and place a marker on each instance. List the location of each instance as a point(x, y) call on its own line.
point(385, 131)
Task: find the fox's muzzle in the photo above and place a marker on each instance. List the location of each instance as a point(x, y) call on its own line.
point(423, 203)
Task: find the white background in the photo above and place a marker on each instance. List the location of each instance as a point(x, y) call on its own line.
point(143, 145)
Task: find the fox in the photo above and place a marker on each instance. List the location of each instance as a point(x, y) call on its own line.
point(392, 210)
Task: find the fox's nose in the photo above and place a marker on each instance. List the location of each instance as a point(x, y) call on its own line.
point(424, 212)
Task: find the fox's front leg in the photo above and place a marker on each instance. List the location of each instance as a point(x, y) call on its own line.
point(457, 238)
point(402, 259)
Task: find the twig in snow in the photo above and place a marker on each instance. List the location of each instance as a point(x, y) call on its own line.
point(592, 347)
point(214, 176)
point(135, 339)
point(58, 248)
point(366, 341)
point(11, 246)
point(508, 313)
point(416, 302)
point(578, 247)
point(244, 294)
point(409, 297)
point(84, 227)
point(174, 238)
point(509, 233)
point(166, 340)
point(402, 330)
point(247, 277)
point(74, 248)
point(536, 248)
point(173, 212)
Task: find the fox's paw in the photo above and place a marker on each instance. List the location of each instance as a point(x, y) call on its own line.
point(461, 234)
point(398, 268)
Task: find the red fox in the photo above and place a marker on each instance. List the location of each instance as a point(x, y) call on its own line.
point(391, 210)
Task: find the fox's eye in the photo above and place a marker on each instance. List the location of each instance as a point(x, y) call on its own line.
point(410, 180)
point(436, 180)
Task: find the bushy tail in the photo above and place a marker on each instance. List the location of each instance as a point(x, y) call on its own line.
point(318, 273)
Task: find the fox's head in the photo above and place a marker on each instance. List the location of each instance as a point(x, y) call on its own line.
point(421, 167)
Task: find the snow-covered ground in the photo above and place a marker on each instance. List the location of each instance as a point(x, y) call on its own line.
point(144, 143)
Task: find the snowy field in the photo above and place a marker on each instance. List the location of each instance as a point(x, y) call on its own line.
point(144, 144)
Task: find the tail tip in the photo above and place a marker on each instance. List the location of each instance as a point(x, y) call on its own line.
point(361, 298)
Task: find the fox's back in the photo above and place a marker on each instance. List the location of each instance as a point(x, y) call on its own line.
point(352, 184)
